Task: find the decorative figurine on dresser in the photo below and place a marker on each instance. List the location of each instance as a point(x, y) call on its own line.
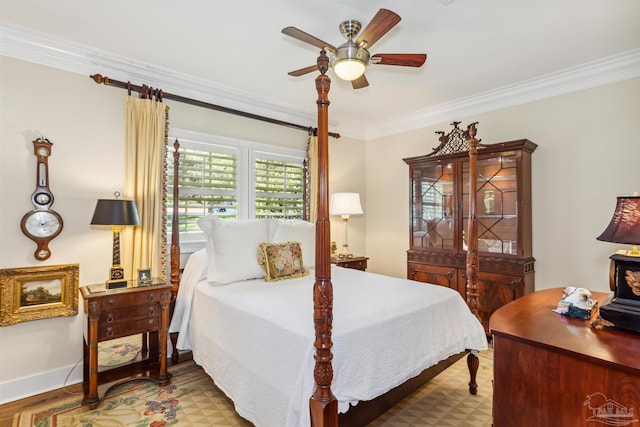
point(439, 192)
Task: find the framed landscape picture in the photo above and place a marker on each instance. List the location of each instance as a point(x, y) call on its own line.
point(33, 293)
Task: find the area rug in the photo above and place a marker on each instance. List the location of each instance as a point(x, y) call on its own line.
point(193, 400)
point(121, 350)
point(445, 400)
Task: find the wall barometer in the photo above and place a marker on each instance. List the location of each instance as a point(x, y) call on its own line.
point(42, 224)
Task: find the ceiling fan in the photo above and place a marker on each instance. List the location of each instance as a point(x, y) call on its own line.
point(350, 59)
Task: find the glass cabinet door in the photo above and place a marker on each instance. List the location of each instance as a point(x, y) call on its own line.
point(432, 221)
point(496, 204)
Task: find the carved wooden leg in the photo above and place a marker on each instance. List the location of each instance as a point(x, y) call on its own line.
point(91, 369)
point(173, 336)
point(473, 363)
point(163, 375)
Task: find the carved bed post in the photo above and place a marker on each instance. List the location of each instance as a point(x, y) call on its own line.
point(323, 404)
point(472, 250)
point(472, 238)
point(175, 246)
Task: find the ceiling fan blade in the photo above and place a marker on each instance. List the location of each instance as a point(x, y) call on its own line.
point(307, 38)
point(378, 27)
point(360, 82)
point(303, 71)
point(402, 59)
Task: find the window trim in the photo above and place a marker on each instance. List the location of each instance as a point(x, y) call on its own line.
point(247, 152)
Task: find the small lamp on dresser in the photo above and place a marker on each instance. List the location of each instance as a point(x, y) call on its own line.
point(345, 204)
point(116, 213)
point(623, 307)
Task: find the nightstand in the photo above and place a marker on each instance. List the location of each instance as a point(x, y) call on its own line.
point(356, 262)
point(115, 313)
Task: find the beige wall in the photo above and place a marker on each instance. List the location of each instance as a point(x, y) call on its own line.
point(85, 122)
point(588, 153)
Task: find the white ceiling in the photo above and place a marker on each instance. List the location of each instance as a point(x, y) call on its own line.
point(482, 55)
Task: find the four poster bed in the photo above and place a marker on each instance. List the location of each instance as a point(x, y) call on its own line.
point(371, 336)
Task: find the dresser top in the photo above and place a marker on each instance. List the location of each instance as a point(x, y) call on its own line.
point(531, 319)
point(100, 289)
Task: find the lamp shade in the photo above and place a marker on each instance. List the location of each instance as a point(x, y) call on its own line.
point(115, 212)
point(345, 204)
point(350, 61)
point(349, 69)
point(625, 224)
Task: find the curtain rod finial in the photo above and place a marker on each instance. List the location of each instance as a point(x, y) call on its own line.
point(99, 79)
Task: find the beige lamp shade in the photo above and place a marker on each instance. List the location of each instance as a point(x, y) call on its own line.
point(345, 204)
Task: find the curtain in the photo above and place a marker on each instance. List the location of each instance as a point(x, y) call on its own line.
point(145, 174)
point(312, 178)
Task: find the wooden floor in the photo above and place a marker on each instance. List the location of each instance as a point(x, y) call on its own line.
point(8, 410)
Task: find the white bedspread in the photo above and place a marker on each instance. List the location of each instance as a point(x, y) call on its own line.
point(255, 338)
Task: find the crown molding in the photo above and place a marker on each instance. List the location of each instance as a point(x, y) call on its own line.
point(615, 68)
point(32, 46)
point(28, 45)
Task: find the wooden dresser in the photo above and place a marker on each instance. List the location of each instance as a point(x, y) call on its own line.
point(117, 313)
point(554, 370)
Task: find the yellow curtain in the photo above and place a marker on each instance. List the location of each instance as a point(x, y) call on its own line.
point(145, 145)
point(312, 179)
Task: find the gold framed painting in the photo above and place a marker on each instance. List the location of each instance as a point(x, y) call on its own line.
point(33, 293)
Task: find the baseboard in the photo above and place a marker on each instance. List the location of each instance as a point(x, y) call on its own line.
point(24, 387)
point(21, 388)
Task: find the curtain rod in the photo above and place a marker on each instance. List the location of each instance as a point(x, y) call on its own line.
point(98, 78)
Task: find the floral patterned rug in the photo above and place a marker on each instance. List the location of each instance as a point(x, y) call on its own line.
point(119, 351)
point(189, 400)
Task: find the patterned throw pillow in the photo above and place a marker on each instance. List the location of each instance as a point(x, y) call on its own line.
point(281, 261)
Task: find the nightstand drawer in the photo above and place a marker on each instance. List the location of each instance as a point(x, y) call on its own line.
point(126, 328)
point(129, 313)
point(131, 298)
point(356, 263)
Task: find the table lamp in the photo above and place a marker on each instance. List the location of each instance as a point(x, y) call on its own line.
point(116, 213)
point(623, 307)
point(345, 204)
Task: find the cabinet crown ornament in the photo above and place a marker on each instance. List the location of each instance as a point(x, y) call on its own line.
point(456, 141)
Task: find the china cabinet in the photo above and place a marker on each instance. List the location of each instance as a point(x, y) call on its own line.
point(439, 214)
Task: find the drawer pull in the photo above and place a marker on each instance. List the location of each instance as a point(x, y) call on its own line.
point(151, 321)
point(150, 298)
point(109, 317)
point(152, 311)
point(109, 331)
point(111, 302)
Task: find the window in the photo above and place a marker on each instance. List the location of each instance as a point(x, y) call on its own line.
point(279, 186)
point(232, 179)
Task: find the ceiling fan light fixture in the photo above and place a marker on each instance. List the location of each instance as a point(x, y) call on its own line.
point(350, 61)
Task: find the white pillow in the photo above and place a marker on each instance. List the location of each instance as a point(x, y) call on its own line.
point(296, 230)
point(232, 248)
point(195, 269)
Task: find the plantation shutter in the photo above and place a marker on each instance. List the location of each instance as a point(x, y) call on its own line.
point(279, 188)
point(208, 184)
